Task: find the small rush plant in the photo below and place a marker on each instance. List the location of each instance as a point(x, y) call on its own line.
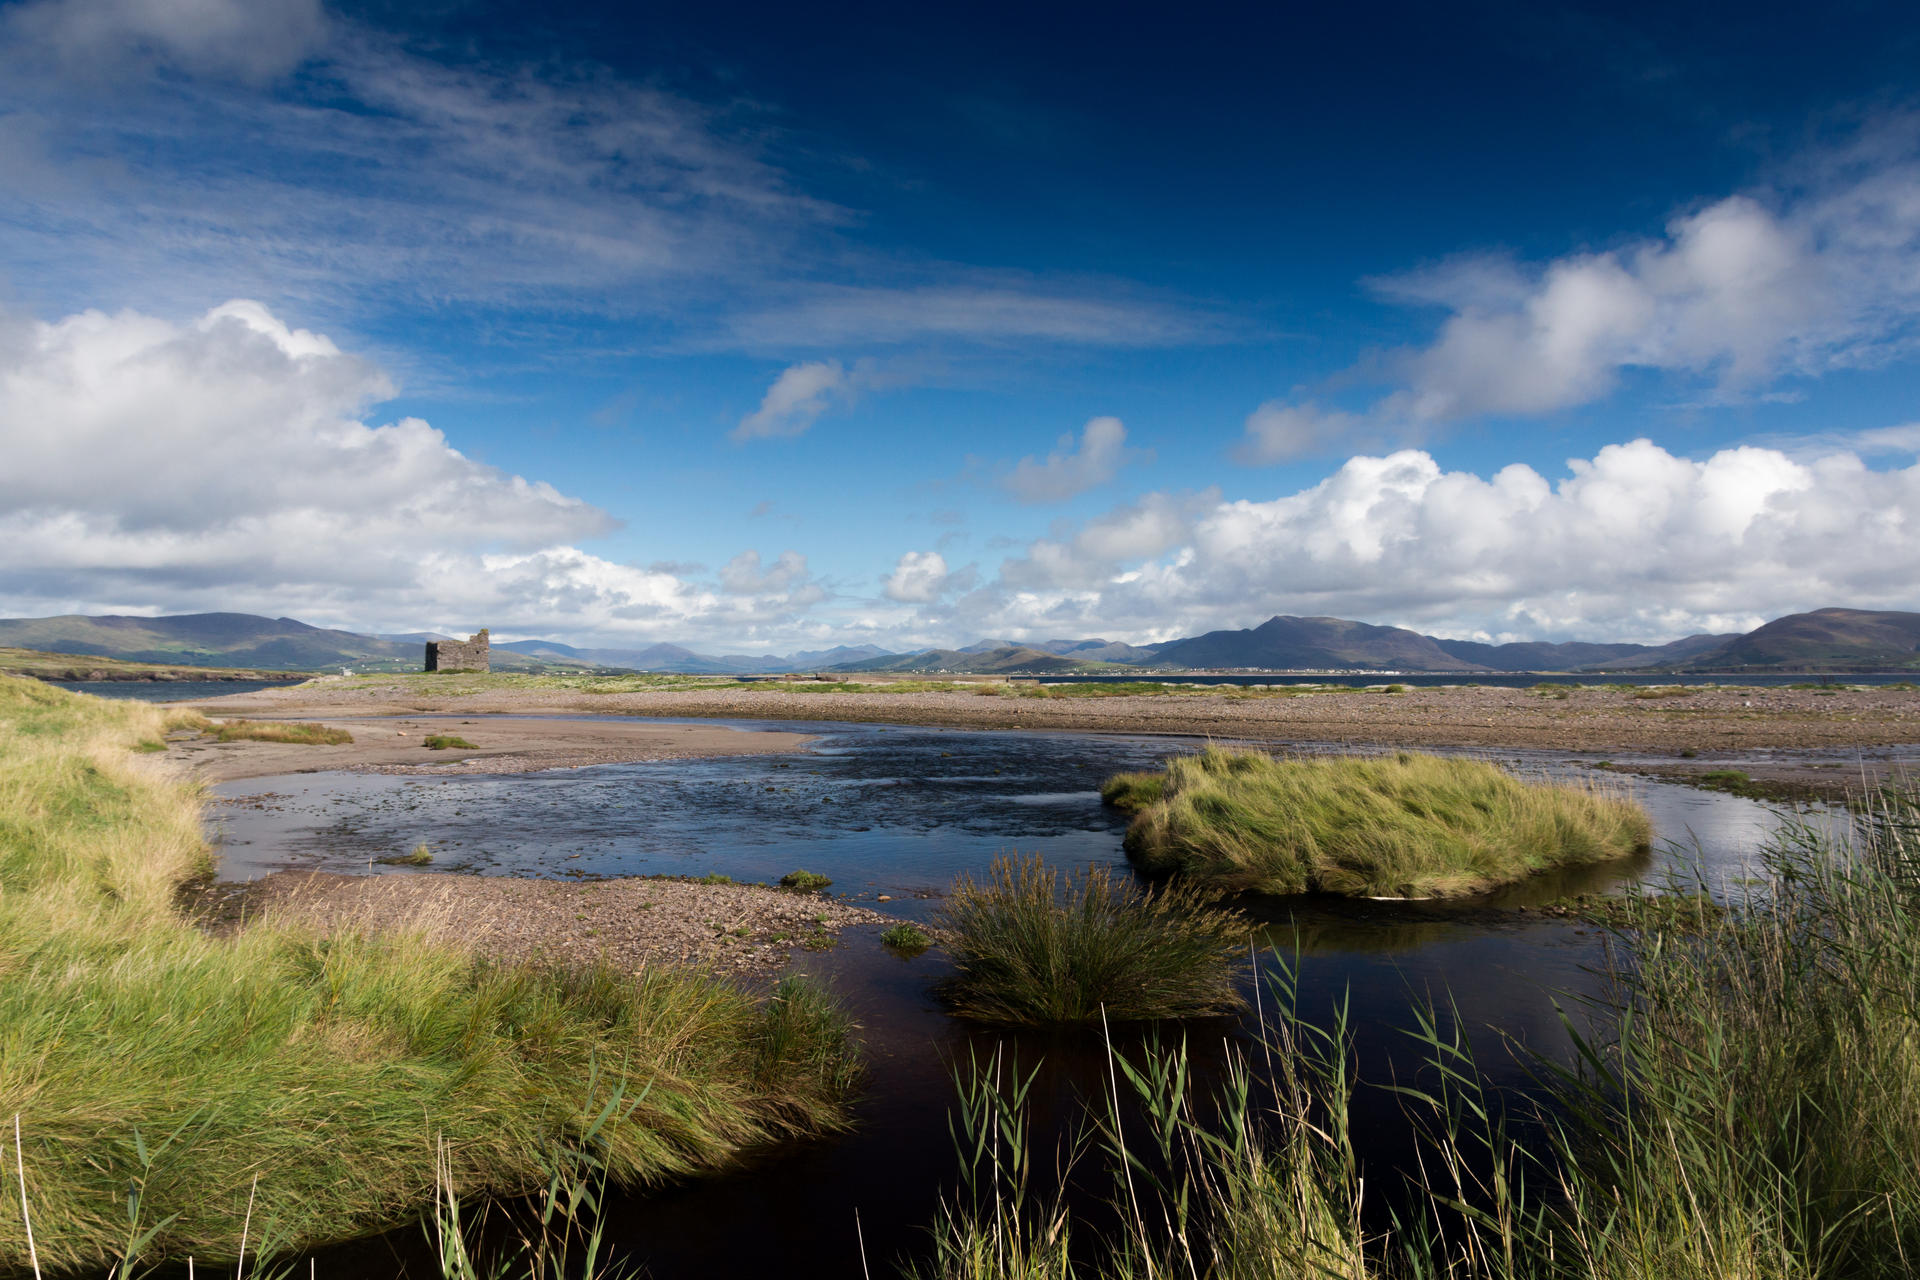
point(1033, 946)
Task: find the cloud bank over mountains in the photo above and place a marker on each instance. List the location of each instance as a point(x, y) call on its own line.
point(230, 463)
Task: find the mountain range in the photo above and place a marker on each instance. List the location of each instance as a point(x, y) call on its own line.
point(1825, 639)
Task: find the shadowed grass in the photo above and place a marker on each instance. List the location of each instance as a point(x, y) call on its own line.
point(1405, 825)
point(313, 735)
point(1032, 946)
point(314, 1077)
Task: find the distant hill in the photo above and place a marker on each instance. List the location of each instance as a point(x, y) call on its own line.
point(1008, 659)
point(1534, 655)
point(1824, 640)
point(1286, 643)
point(226, 640)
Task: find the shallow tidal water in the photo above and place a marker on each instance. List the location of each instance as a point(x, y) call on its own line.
point(901, 811)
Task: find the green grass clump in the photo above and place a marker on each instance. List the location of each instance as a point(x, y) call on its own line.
point(447, 742)
point(1405, 825)
point(1132, 792)
point(418, 856)
point(907, 938)
point(1033, 946)
point(805, 881)
point(315, 1075)
point(312, 735)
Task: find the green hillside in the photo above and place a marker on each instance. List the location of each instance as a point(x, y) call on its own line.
point(1824, 640)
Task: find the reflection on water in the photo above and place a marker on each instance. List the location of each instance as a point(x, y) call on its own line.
point(899, 810)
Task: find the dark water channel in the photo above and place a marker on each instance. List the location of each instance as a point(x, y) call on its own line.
point(901, 811)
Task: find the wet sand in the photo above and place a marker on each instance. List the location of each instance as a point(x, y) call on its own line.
point(501, 745)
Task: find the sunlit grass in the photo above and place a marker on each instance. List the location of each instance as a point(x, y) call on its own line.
point(1404, 825)
point(332, 1083)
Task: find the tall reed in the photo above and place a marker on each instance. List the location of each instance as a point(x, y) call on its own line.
point(1748, 1108)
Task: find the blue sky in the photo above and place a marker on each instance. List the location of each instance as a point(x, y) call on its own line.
point(757, 328)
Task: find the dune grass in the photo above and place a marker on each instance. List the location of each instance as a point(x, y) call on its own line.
point(334, 1083)
point(312, 735)
point(1030, 945)
point(1406, 825)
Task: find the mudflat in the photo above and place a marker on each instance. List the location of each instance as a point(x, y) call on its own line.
point(518, 744)
point(1581, 718)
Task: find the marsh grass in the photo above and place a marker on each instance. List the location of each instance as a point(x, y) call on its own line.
point(1030, 945)
point(311, 1089)
point(313, 735)
point(448, 742)
point(1405, 825)
point(1743, 1105)
point(905, 938)
point(1132, 792)
point(418, 856)
point(803, 881)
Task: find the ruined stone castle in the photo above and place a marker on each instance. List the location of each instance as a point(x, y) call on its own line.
point(455, 655)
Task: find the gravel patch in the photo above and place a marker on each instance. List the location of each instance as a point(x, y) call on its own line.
point(630, 923)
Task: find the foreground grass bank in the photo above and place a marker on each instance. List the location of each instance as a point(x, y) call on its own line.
point(1405, 825)
point(1749, 1109)
point(306, 1090)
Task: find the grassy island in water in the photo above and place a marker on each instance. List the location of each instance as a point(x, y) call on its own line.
point(1406, 825)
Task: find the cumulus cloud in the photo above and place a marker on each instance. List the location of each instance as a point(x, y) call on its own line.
point(918, 577)
point(227, 464)
point(798, 397)
point(1741, 292)
point(1633, 543)
point(1073, 469)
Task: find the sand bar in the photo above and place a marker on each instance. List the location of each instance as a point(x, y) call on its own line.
point(502, 744)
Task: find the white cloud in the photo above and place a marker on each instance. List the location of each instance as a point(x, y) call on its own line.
point(1277, 431)
point(919, 577)
point(1739, 293)
point(226, 465)
point(252, 39)
point(1071, 470)
point(990, 307)
point(1633, 543)
point(745, 576)
point(797, 398)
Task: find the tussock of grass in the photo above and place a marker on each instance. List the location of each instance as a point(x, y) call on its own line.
point(1405, 825)
point(1132, 792)
point(906, 938)
point(1032, 946)
point(805, 881)
point(447, 742)
point(312, 735)
point(327, 1069)
point(418, 856)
